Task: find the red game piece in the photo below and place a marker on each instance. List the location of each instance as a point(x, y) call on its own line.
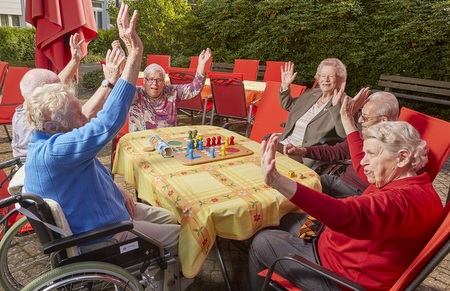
point(208, 142)
point(231, 140)
point(219, 140)
point(213, 141)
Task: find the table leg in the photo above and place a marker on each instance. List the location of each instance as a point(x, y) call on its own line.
point(222, 265)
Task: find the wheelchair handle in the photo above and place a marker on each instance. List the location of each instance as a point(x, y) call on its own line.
point(8, 201)
point(15, 161)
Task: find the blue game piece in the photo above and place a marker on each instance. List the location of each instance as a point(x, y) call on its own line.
point(191, 154)
point(189, 145)
point(211, 153)
point(200, 145)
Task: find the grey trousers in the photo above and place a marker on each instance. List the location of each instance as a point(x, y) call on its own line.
point(270, 244)
point(156, 222)
point(335, 187)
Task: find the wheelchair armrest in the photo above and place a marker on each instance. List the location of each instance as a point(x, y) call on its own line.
point(325, 163)
point(74, 240)
point(341, 280)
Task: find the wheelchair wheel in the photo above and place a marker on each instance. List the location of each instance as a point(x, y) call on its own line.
point(93, 276)
point(21, 257)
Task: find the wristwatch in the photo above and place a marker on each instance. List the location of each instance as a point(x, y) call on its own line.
point(107, 83)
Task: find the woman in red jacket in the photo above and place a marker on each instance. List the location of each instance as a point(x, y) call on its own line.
point(370, 239)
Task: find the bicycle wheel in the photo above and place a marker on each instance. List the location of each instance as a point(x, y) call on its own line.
point(21, 257)
point(93, 276)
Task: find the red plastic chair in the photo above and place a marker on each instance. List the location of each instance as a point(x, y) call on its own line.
point(230, 101)
point(194, 63)
point(196, 104)
point(273, 71)
point(3, 70)
point(270, 106)
point(271, 116)
point(162, 60)
point(12, 96)
point(247, 67)
point(435, 132)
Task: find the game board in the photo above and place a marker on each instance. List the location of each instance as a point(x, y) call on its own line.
point(180, 151)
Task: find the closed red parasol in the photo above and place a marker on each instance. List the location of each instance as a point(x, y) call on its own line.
point(55, 21)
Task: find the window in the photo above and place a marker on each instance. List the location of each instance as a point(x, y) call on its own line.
point(9, 20)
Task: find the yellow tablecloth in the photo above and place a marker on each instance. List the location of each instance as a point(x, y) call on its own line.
point(225, 198)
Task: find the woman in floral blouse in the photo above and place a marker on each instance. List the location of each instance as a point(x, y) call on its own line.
point(155, 103)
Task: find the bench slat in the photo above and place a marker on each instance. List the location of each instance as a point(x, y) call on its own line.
point(414, 88)
point(417, 81)
point(417, 98)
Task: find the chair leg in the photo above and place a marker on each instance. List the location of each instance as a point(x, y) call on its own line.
point(7, 132)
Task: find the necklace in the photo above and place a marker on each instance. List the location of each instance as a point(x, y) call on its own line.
point(321, 102)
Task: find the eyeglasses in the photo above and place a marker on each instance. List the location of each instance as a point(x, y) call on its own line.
point(331, 77)
point(157, 81)
point(368, 118)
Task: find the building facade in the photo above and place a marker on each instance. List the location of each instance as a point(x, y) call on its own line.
point(12, 13)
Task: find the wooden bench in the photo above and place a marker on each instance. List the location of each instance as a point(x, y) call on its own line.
point(422, 89)
point(228, 67)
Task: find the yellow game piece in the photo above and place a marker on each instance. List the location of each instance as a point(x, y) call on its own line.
point(291, 174)
point(223, 151)
point(227, 141)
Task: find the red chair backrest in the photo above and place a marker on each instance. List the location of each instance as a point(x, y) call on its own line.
point(247, 67)
point(3, 69)
point(186, 78)
point(273, 71)
point(218, 75)
point(162, 60)
point(441, 237)
point(435, 132)
point(11, 90)
point(194, 63)
point(229, 97)
point(270, 115)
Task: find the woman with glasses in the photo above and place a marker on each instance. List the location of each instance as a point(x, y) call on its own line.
point(315, 114)
point(155, 102)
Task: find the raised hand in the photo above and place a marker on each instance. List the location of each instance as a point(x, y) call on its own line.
point(338, 95)
point(203, 59)
point(75, 47)
point(268, 151)
point(114, 62)
point(287, 75)
point(127, 29)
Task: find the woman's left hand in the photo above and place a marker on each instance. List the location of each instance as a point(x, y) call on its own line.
point(268, 151)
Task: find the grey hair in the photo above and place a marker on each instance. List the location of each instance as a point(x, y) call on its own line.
point(153, 68)
point(400, 135)
point(36, 78)
point(387, 104)
point(333, 62)
point(49, 102)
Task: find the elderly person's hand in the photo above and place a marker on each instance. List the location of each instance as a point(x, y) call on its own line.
point(203, 59)
point(114, 62)
point(127, 30)
point(338, 95)
point(350, 107)
point(292, 150)
point(271, 176)
point(75, 47)
point(287, 75)
point(129, 201)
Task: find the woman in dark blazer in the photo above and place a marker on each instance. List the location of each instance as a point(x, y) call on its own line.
point(315, 115)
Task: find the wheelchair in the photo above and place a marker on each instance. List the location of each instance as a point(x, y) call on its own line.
point(21, 255)
point(126, 265)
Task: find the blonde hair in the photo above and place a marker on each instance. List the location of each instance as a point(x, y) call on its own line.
point(400, 135)
point(49, 102)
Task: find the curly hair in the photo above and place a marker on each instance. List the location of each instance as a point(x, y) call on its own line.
point(332, 62)
point(48, 103)
point(400, 135)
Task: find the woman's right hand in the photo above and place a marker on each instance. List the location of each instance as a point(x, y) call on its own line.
point(287, 75)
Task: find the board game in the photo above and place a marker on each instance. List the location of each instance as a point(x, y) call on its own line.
point(193, 150)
